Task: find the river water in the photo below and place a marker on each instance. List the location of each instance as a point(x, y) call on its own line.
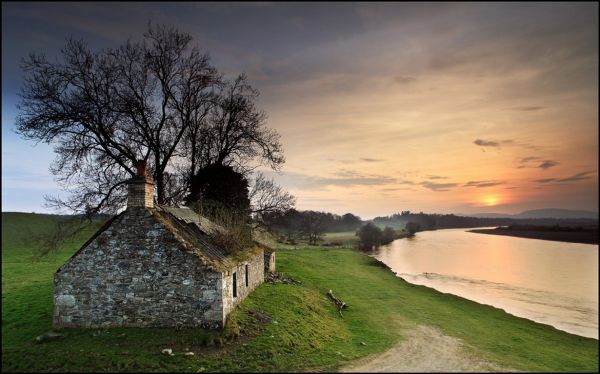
point(549, 282)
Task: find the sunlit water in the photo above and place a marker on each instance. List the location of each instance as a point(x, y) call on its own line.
point(549, 282)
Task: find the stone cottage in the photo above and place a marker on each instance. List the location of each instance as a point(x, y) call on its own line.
point(153, 265)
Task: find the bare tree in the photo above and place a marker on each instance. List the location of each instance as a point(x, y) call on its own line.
point(157, 100)
point(234, 133)
point(267, 197)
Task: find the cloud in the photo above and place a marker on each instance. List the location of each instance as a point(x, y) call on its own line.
point(400, 79)
point(436, 177)
point(486, 143)
point(547, 164)
point(404, 181)
point(527, 159)
point(480, 184)
point(438, 186)
point(506, 142)
point(577, 177)
point(529, 108)
point(492, 143)
point(353, 179)
point(361, 180)
point(397, 189)
point(363, 159)
point(342, 178)
point(574, 178)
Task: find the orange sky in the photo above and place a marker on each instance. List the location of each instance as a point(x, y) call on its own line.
point(381, 107)
point(446, 116)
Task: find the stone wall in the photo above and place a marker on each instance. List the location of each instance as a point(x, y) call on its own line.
point(136, 273)
point(256, 276)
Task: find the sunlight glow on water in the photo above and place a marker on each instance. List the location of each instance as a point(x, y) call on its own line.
point(549, 282)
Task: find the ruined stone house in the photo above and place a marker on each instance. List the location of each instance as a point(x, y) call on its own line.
point(153, 265)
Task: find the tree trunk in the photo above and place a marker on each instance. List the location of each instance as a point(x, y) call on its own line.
point(159, 179)
point(160, 188)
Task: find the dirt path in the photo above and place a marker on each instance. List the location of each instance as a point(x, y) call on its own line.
point(425, 349)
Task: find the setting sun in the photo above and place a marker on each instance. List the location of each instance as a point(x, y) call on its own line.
point(490, 200)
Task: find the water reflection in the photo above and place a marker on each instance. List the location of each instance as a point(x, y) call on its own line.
point(549, 282)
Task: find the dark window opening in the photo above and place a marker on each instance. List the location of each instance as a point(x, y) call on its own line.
point(234, 285)
point(246, 275)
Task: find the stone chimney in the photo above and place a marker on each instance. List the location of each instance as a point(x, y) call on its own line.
point(140, 192)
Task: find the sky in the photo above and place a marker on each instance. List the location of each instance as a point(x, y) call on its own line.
point(382, 107)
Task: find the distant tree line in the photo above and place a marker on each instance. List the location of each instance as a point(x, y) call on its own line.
point(293, 225)
point(424, 221)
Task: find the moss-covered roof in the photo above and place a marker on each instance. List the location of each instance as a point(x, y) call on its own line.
point(195, 231)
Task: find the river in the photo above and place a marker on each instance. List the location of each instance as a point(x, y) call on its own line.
point(550, 282)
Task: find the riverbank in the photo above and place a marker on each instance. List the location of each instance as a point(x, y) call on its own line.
point(279, 327)
point(583, 237)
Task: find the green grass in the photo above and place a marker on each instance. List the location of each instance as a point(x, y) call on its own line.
point(282, 327)
point(346, 238)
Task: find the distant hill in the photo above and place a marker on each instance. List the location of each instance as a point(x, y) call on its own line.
point(542, 213)
point(22, 231)
point(486, 215)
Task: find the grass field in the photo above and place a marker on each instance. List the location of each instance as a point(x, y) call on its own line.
point(281, 327)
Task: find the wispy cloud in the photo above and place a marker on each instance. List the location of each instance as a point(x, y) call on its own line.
point(343, 178)
point(547, 164)
point(481, 184)
point(436, 177)
point(577, 177)
point(574, 178)
point(491, 143)
point(392, 189)
point(527, 162)
point(505, 142)
point(404, 181)
point(527, 159)
point(545, 180)
point(352, 178)
point(362, 159)
point(529, 108)
point(439, 186)
point(401, 79)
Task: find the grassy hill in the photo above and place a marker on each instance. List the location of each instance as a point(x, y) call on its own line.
point(279, 327)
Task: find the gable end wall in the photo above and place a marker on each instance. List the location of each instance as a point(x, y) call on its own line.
point(136, 273)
